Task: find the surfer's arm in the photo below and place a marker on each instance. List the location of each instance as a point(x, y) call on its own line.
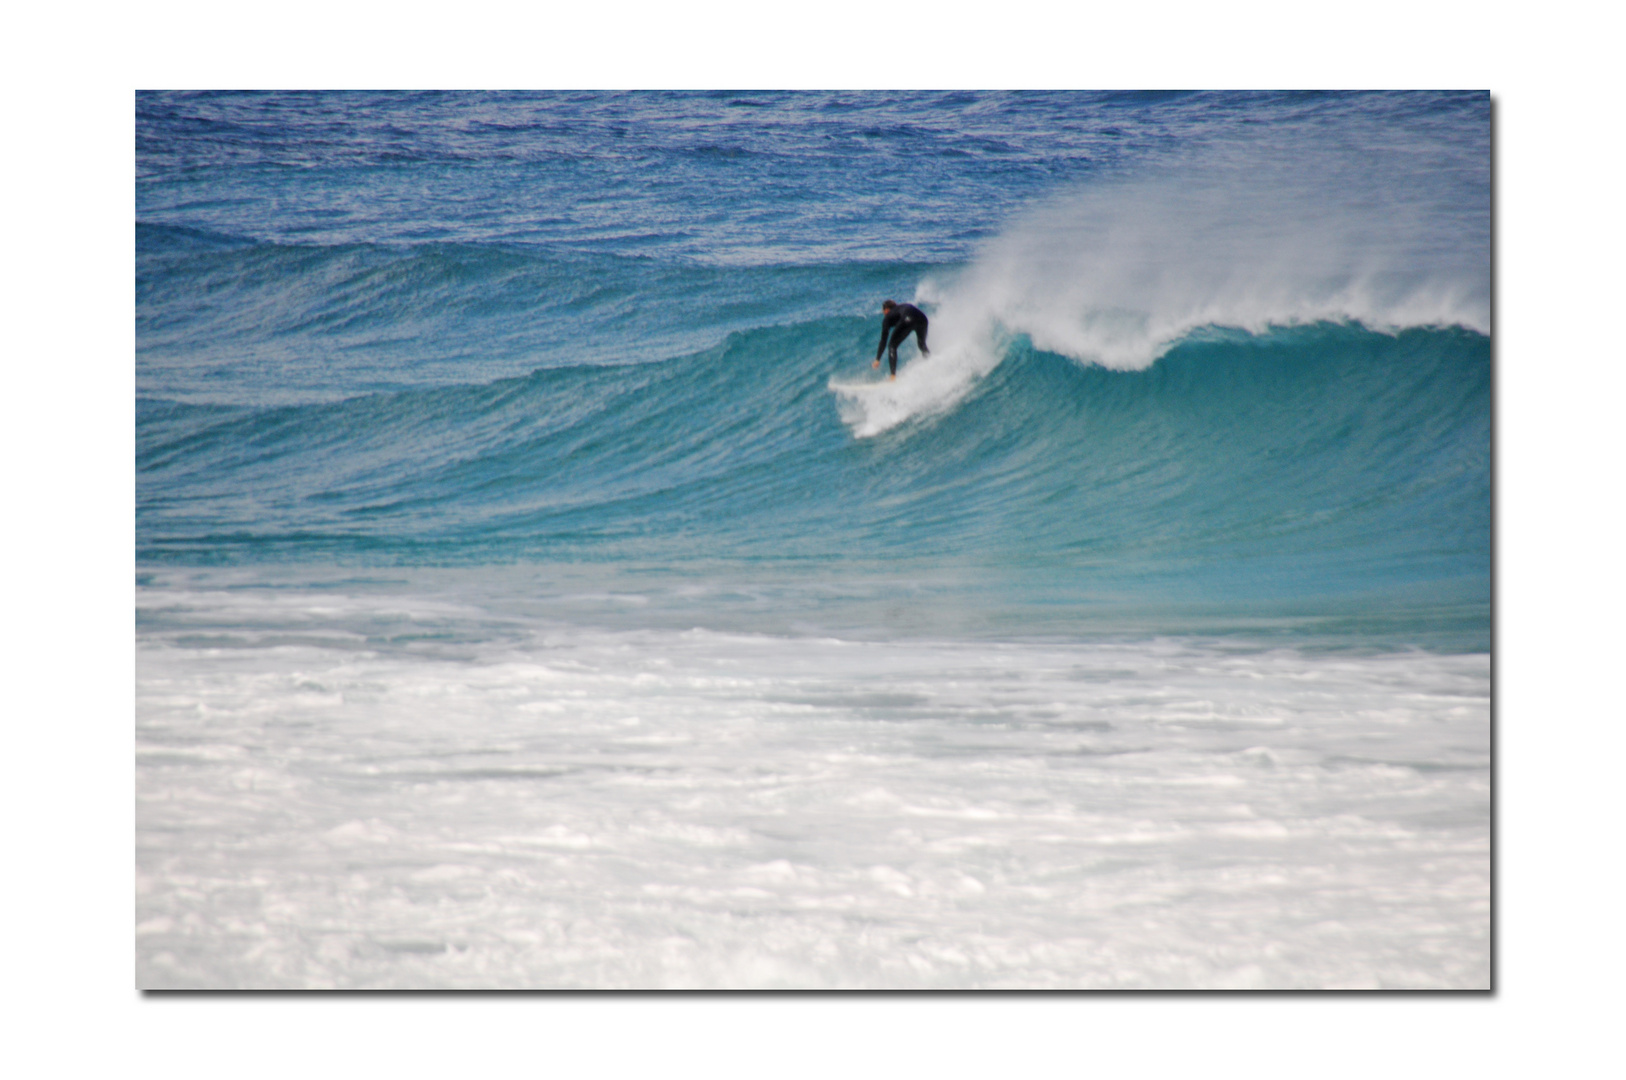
point(886, 328)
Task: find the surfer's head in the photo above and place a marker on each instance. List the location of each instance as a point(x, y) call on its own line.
point(888, 305)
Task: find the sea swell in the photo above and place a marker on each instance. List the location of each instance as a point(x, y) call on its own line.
point(227, 319)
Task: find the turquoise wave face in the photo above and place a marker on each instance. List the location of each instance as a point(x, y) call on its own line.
point(1330, 458)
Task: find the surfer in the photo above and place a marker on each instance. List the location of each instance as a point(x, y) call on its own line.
point(902, 320)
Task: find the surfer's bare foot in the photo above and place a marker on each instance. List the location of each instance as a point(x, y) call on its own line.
point(891, 378)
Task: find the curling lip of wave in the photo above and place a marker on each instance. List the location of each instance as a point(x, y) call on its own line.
point(1120, 273)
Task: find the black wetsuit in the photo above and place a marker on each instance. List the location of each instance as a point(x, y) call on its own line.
point(901, 321)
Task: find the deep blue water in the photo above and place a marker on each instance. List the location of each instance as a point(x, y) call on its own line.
point(1192, 353)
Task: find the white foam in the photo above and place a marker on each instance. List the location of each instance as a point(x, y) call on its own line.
point(569, 806)
point(925, 386)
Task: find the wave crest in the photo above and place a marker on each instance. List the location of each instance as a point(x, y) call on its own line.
point(1243, 238)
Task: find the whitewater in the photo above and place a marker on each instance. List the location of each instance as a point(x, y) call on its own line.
point(536, 586)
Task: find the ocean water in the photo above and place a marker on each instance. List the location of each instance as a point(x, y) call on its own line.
point(537, 587)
